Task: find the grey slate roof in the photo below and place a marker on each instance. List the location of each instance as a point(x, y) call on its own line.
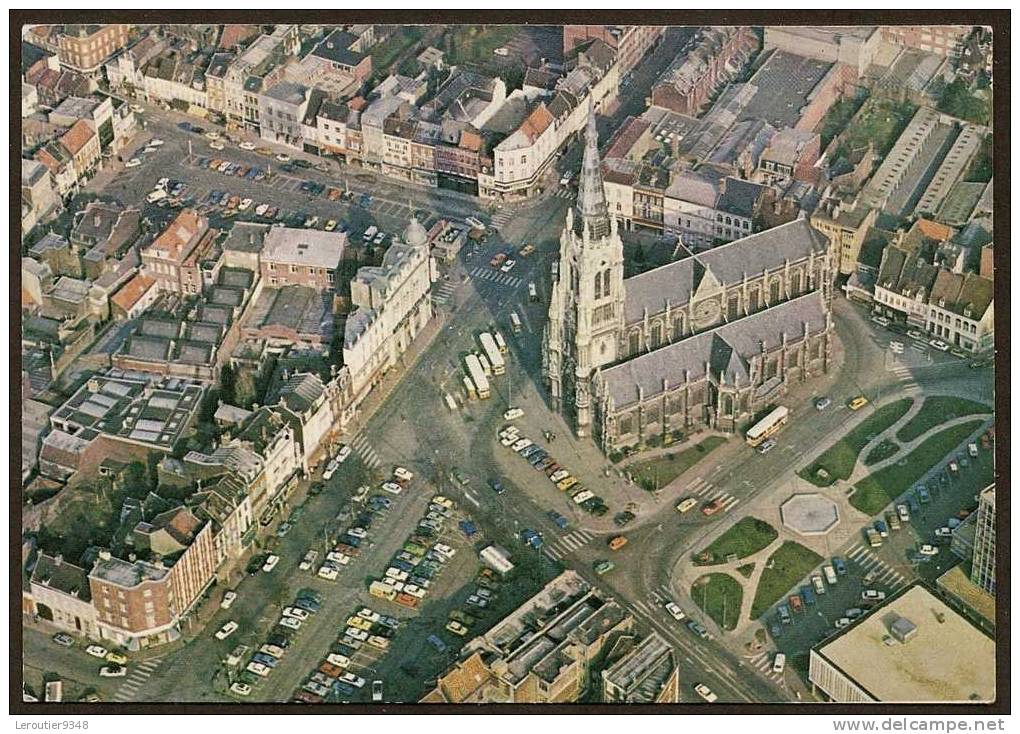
point(725, 349)
point(676, 282)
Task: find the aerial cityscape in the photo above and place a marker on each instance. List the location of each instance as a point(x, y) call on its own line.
point(507, 364)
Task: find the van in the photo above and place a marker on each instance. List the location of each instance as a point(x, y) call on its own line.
point(972, 449)
point(515, 322)
point(779, 663)
point(816, 581)
point(830, 575)
point(370, 233)
point(533, 295)
point(157, 195)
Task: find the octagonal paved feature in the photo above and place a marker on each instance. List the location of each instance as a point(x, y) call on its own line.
point(809, 514)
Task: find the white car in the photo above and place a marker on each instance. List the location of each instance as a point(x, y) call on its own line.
point(239, 688)
point(509, 439)
point(338, 660)
point(258, 669)
point(842, 622)
point(508, 266)
point(283, 157)
point(156, 142)
point(939, 344)
point(928, 550)
point(355, 634)
point(163, 183)
point(443, 501)
point(212, 135)
point(779, 663)
point(96, 651)
point(296, 613)
point(943, 532)
point(228, 598)
point(705, 692)
point(352, 680)
point(293, 622)
point(337, 558)
point(133, 163)
point(245, 145)
point(226, 630)
point(328, 572)
point(675, 611)
point(358, 532)
point(512, 414)
point(395, 573)
point(522, 444)
point(245, 204)
point(444, 550)
point(112, 671)
point(371, 616)
point(270, 563)
point(379, 238)
point(308, 560)
point(403, 474)
point(331, 468)
point(872, 595)
point(414, 590)
point(392, 487)
point(217, 145)
point(344, 452)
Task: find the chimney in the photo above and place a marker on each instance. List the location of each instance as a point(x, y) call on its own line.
point(58, 559)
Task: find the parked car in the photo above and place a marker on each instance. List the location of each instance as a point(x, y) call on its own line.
point(705, 692)
point(112, 671)
point(857, 403)
point(226, 630)
point(675, 611)
point(603, 567)
point(270, 563)
point(686, 504)
point(240, 689)
point(823, 403)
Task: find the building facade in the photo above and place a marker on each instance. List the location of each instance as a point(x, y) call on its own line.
point(982, 570)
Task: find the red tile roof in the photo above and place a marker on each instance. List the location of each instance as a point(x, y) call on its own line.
point(537, 122)
point(132, 292)
point(77, 137)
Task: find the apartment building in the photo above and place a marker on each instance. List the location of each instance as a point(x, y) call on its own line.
point(303, 257)
point(631, 42)
point(944, 40)
point(165, 258)
point(961, 311)
point(648, 672)
point(982, 570)
point(85, 47)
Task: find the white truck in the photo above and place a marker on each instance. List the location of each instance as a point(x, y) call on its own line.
point(830, 575)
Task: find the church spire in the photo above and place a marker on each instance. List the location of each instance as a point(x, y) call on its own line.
point(593, 213)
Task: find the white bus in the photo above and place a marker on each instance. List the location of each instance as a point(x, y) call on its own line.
point(500, 341)
point(486, 367)
point(492, 353)
point(469, 388)
point(515, 322)
point(474, 368)
point(767, 426)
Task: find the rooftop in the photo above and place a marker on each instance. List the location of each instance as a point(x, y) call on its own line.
point(306, 247)
point(946, 660)
point(783, 85)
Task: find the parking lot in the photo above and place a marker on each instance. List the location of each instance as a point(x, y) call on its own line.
point(894, 565)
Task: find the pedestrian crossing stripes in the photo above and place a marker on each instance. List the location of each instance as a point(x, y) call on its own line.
point(496, 277)
point(872, 564)
point(443, 293)
point(762, 662)
point(366, 452)
point(705, 490)
point(502, 218)
point(569, 543)
point(565, 194)
point(136, 679)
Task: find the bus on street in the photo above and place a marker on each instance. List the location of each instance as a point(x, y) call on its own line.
point(767, 426)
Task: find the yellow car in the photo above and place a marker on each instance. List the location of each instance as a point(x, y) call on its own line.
point(857, 403)
point(117, 658)
point(359, 623)
point(565, 484)
point(457, 628)
point(688, 503)
point(380, 643)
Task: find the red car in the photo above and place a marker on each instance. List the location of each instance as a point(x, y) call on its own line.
point(712, 507)
point(796, 604)
point(306, 697)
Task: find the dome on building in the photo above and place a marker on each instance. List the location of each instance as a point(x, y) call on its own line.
point(415, 234)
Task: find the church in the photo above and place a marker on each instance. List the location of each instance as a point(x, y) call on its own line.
point(706, 341)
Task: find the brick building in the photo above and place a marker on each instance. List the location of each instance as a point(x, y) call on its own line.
point(302, 257)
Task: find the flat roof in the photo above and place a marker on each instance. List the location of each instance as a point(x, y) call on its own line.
point(947, 660)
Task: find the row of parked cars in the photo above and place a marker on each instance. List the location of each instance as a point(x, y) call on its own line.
point(333, 680)
point(539, 458)
point(263, 661)
point(419, 561)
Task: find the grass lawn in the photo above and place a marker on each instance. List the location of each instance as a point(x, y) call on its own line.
point(745, 538)
point(937, 410)
point(659, 472)
point(877, 490)
point(840, 458)
point(880, 121)
point(400, 40)
point(787, 566)
point(746, 570)
point(881, 452)
point(477, 42)
point(719, 596)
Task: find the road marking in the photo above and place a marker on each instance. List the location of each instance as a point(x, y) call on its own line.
point(730, 503)
point(552, 554)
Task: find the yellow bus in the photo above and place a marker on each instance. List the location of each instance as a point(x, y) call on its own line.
point(767, 426)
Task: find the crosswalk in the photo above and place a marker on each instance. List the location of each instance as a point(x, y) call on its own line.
point(762, 662)
point(502, 218)
point(569, 543)
point(883, 573)
point(906, 378)
point(706, 491)
point(132, 685)
point(568, 194)
point(443, 293)
point(496, 276)
point(364, 449)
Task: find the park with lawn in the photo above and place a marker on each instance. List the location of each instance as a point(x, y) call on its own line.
point(654, 474)
point(839, 460)
point(744, 539)
point(878, 489)
point(939, 409)
point(719, 595)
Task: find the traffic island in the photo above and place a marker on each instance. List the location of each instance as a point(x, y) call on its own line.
point(747, 537)
point(785, 568)
point(719, 595)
